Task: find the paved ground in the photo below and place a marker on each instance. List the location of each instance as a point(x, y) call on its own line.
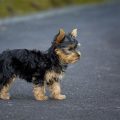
point(92, 85)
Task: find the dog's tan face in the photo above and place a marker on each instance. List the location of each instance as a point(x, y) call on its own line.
point(67, 47)
point(67, 56)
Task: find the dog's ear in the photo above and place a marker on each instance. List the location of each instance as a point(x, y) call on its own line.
point(74, 33)
point(60, 36)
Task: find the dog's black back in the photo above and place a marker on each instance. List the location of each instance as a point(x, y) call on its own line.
point(27, 64)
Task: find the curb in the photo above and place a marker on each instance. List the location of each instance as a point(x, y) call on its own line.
point(49, 13)
point(44, 14)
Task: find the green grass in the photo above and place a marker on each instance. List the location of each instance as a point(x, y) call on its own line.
point(21, 7)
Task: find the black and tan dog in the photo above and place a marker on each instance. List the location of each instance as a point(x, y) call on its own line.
point(40, 68)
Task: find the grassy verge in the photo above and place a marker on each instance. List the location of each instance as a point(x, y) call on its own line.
point(21, 7)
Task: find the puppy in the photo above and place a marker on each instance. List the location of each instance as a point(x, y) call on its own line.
point(40, 68)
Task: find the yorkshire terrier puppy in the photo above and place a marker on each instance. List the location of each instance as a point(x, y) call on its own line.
point(41, 68)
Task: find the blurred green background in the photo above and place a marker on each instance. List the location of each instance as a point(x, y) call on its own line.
point(21, 7)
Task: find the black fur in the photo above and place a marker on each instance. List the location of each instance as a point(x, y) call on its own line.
point(27, 64)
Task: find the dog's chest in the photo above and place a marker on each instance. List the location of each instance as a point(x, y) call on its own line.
point(52, 75)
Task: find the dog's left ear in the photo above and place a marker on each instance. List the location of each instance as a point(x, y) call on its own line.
point(60, 36)
point(74, 33)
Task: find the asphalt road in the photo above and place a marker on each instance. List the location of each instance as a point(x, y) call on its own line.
point(92, 85)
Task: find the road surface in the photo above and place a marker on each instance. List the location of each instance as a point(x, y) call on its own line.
point(92, 85)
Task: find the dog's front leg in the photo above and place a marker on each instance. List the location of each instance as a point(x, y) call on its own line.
point(56, 91)
point(39, 92)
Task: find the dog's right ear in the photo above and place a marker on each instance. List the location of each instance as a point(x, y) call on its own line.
point(60, 36)
point(74, 33)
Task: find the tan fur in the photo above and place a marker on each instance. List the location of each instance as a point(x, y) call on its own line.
point(60, 36)
point(54, 87)
point(39, 92)
point(4, 93)
point(50, 75)
point(72, 58)
point(74, 32)
point(56, 91)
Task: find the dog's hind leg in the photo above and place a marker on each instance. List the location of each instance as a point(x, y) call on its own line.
point(4, 91)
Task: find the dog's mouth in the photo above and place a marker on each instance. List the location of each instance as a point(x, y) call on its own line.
point(75, 60)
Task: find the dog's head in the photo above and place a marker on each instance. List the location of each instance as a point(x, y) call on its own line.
point(65, 46)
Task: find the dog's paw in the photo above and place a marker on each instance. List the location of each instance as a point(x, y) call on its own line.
point(41, 98)
point(5, 96)
point(59, 97)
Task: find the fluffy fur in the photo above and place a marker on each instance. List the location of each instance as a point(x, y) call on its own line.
point(40, 68)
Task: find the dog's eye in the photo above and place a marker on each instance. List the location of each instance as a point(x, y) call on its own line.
point(67, 51)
